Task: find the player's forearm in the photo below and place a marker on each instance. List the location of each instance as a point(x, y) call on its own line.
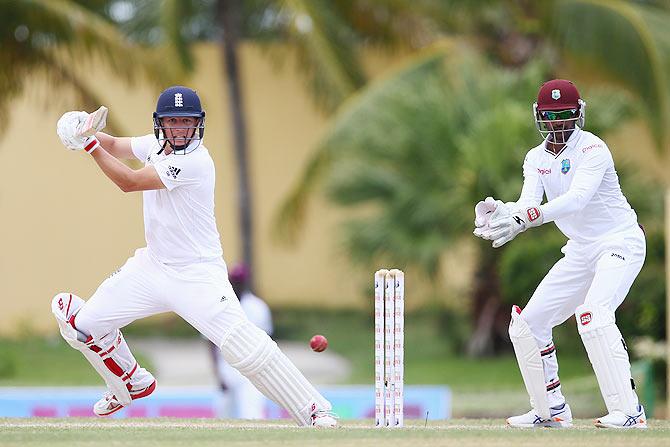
point(117, 172)
point(106, 141)
point(117, 147)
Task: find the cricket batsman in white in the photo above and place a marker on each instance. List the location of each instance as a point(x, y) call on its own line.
point(604, 254)
point(180, 270)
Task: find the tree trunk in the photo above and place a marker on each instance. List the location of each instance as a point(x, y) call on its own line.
point(489, 316)
point(228, 16)
point(667, 295)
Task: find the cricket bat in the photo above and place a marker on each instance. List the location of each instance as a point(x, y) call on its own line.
point(95, 122)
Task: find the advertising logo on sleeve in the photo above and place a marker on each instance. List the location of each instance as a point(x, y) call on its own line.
point(565, 166)
point(585, 318)
point(173, 172)
point(533, 214)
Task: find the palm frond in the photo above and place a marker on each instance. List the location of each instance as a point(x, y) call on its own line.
point(626, 40)
point(60, 76)
point(411, 154)
point(173, 14)
point(60, 39)
point(84, 36)
point(292, 211)
point(326, 50)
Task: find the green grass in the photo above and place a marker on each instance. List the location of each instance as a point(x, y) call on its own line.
point(170, 432)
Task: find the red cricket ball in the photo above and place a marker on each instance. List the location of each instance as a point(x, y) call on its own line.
point(318, 343)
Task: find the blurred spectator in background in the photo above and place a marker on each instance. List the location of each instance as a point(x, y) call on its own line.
point(240, 399)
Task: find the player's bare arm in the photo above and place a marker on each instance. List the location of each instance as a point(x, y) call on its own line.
point(117, 147)
point(80, 131)
point(127, 179)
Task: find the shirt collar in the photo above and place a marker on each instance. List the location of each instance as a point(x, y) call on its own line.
point(574, 136)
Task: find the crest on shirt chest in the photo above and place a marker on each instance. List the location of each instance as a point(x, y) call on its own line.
point(565, 165)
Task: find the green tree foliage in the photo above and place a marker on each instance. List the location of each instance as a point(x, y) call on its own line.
point(605, 37)
point(421, 148)
point(411, 155)
point(57, 40)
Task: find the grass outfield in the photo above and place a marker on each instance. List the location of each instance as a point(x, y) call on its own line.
point(205, 432)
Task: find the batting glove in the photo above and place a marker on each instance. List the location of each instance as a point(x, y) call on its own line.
point(68, 131)
point(504, 228)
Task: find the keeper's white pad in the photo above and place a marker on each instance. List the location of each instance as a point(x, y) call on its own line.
point(609, 357)
point(106, 355)
point(257, 357)
point(530, 363)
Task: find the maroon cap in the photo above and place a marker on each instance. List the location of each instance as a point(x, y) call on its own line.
point(558, 94)
point(239, 273)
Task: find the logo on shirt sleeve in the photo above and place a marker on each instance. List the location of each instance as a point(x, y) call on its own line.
point(173, 172)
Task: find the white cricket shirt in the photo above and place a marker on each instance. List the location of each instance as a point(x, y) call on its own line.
point(179, 222)
point(584, 198)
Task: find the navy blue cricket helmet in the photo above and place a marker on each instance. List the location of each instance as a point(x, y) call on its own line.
point(179, 101)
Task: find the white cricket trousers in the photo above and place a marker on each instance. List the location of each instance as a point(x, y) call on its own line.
point(600, 273)
point(200, 293)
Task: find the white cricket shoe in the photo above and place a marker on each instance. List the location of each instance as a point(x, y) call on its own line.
point(108, 403)
point(324, 419)
point(619, 419)
point(561, 417)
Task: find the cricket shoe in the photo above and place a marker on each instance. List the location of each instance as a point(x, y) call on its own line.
point(324, 419)
point(109, 404)
point(561, 417)
point(619, 419)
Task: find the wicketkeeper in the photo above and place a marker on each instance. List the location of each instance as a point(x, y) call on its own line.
point(604, 254)
point(180, 270)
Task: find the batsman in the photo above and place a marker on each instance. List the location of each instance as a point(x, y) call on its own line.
point(604, 253)
point(180, 270)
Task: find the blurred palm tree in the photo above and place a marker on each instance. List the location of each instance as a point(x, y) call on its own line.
point(56, 39)
point(607, 38)
point(626, 41)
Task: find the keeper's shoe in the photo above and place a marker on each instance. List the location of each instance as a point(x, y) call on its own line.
point(619, 419)
point(324, 419)
point(108, 404)
point(561, 417)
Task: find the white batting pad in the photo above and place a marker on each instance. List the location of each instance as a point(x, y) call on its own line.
point(110, 356)
point(257, 357)
point(530, 363)
point(609, 357)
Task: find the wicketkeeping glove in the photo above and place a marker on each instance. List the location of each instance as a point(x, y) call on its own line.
point(483, 212)
point(504, 228)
